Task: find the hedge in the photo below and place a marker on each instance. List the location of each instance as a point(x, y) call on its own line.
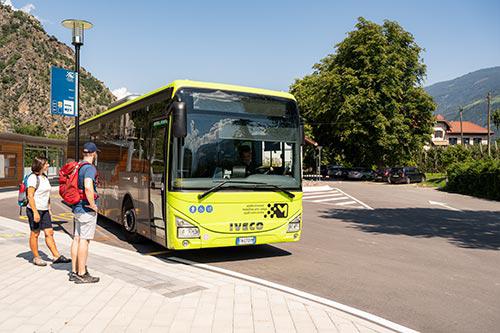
point(479, 178)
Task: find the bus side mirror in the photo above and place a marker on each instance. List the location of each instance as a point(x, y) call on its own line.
point(302, 135)
point(179, 125)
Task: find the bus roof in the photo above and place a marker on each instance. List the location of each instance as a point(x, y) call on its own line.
point(178, 84)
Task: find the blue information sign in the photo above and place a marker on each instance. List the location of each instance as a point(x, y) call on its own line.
point(63, 92)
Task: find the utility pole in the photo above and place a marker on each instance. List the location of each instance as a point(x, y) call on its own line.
point(489, 124)
point(461, 127)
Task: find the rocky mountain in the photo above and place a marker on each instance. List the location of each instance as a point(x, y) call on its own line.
point(468, 91)
point(27, 53)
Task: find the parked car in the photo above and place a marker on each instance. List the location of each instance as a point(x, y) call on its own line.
point(337, 171)
point(382, 175)
point(360, 174)
point(406, 175)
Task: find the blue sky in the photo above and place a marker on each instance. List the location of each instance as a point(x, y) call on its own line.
point(142, 45)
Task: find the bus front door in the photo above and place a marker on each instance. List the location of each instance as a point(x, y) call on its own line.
point(157, 166)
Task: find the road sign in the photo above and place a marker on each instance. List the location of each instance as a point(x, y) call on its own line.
point(63, 92)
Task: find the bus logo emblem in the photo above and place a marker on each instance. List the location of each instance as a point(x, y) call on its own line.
point(192, 209)
point(279, 210)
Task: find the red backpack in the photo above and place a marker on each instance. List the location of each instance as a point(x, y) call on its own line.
point(69, 191)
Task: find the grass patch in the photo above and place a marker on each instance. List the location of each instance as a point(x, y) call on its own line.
point(437, 179)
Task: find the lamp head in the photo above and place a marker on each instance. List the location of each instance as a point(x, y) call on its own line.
point(77, 27)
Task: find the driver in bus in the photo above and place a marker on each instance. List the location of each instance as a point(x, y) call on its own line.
point(246, 158)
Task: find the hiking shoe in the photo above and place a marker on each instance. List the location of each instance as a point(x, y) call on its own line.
point(86, 278)
point(72, 276)
point(61, 260)
point(39, 262)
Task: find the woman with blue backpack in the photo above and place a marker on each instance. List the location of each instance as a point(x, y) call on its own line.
point(38, 211)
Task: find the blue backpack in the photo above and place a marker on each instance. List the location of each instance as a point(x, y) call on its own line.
point(22, 196)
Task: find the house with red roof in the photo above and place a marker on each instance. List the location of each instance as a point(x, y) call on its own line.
point(449, 133)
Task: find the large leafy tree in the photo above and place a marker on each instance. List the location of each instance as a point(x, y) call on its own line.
point(365, 102)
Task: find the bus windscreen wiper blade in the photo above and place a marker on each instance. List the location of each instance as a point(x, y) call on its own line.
point(218, 186)
point(276, 187)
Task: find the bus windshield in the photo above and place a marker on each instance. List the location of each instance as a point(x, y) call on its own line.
point(236, 136)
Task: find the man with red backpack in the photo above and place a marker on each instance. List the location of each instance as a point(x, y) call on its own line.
point(84, 210)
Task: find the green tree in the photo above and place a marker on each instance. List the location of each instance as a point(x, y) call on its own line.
point(495, 118)
point(365, 102)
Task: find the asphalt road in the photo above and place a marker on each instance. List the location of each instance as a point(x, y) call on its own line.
point(422, 258)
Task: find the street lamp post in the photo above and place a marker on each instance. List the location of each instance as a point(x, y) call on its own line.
point(78, 27)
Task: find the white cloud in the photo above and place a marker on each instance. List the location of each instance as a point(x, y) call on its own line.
point(121, 92)
point(8, 3)
point(28, 8)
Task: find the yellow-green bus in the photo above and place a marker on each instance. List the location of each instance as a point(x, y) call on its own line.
point(196, 165)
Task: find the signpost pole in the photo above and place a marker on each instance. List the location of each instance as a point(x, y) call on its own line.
point(78, 27)
point(77, 102)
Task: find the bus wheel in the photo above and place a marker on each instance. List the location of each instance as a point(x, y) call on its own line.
point(129, 223)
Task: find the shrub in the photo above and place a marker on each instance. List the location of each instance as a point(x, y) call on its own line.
point(479, 178)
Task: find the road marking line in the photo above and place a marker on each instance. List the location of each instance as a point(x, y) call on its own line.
point(330, 199)
point(358, 201)
point(302, 294)
point(444, 205)
point(322, 196)
point(308, 189)
point(345, 203)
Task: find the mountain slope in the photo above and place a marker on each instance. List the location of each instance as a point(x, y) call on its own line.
point(468, 91)
point(26, 55)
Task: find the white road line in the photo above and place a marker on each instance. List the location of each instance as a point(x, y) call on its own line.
point(302, 294)
point(358, 201)
point(330, 199)
point(442, 204)
point(345, 203)
point(322, 196)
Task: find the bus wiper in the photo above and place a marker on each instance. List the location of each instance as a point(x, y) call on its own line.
point(218, 186)
point(278, 188)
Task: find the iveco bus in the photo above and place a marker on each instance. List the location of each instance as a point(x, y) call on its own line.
point(196, 165)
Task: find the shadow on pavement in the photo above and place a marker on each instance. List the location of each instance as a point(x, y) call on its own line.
point(202, 256)
point(467, 229)
point(227, 254)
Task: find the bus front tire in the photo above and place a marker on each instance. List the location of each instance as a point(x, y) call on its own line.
point(129, 223)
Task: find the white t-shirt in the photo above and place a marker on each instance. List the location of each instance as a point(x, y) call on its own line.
point(42, 194)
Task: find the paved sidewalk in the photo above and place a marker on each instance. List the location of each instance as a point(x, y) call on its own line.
point(139, 293)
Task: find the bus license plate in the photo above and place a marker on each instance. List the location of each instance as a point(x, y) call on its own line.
point(245, 240)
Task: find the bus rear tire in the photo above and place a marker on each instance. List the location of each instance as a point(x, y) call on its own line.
point(129, 223)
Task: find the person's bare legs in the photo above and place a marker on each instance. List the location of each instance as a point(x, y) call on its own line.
point(83, 251)
point(51, 244)
point(74, 254)
point(34, 243)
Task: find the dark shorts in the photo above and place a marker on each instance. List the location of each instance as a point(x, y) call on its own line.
point(45, 220)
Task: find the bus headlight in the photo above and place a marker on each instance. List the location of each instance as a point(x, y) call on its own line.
point(294, 225)
point(186, 229)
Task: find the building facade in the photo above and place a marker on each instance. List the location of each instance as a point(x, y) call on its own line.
point(450, 133)
point(17, 152)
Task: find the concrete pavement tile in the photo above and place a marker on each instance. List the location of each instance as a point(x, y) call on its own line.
point(138, 325)
point(26, 329)
point(243, 330)
point(243, 321)
point(12, 322)
point(180, 327)
point(115, 329)
point(158, 329)
point(321, 319)
point(263, 326)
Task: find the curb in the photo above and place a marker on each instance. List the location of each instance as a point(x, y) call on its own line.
point(22, 227)
point(310, 297)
